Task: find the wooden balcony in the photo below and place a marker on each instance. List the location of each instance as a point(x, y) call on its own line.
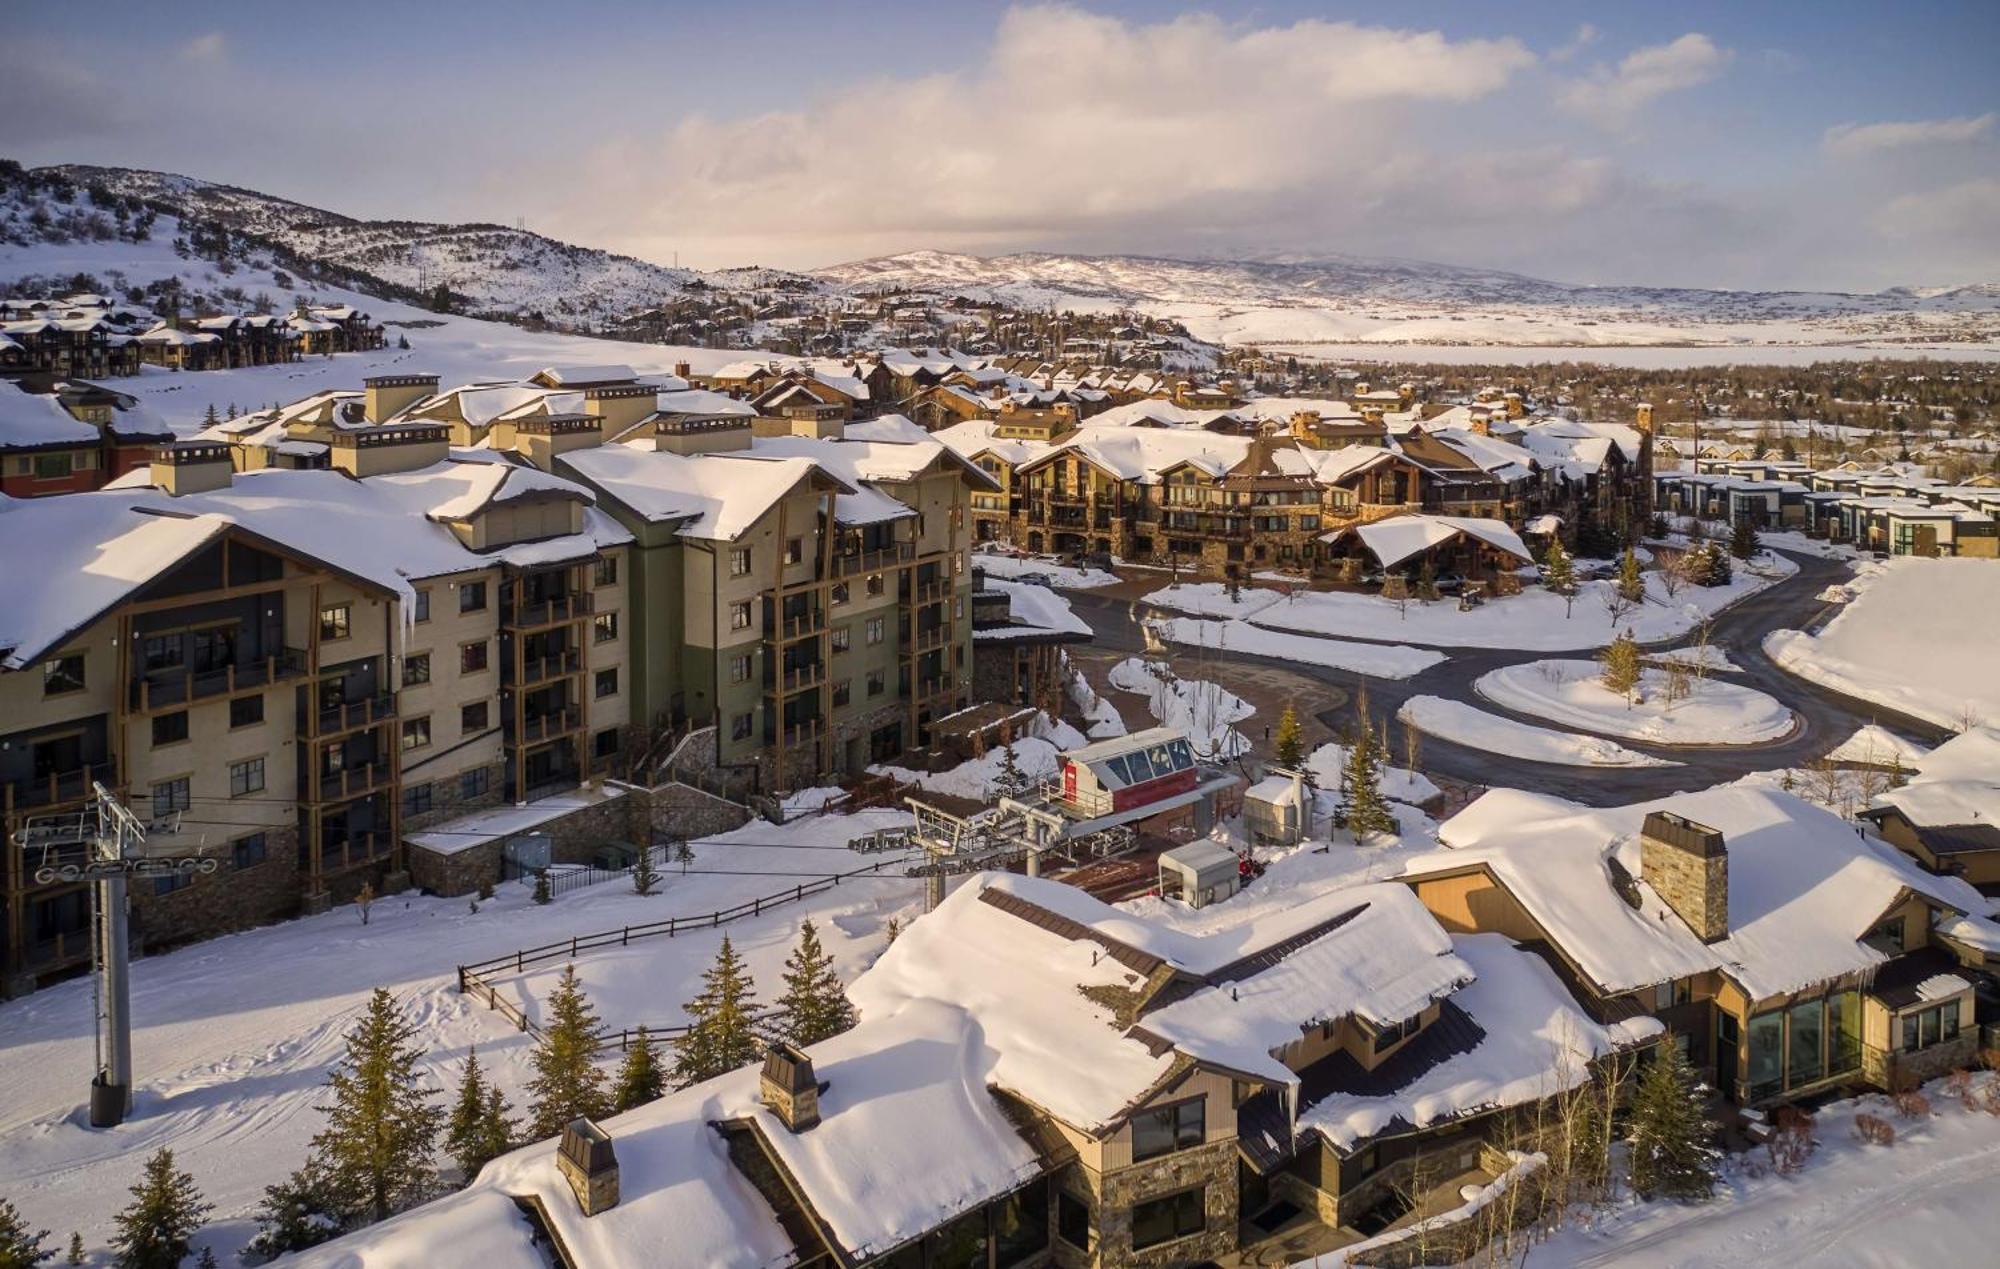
point(797, 678)
point(165, 691)
point(873, 561)
point(787, 629)
point(355, 781)
point(57, 788)
point(350, 716)
point(923, 640)
point(549, 726)
point(542, 669)
point(574, 606)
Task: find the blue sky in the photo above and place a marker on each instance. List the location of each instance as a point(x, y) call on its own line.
point(1751, 145)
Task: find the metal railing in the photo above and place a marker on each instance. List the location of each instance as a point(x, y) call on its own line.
point(352, 782)
point(350, 715)
point(539, 669)
point(872, 561)
point(57, 787)
point(158, 691)
point(549, 612)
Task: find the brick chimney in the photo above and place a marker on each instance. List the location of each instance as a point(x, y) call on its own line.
point(790, 1090)
point(1687, 865)
point(587, 1161)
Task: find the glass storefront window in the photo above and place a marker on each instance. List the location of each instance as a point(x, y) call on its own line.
point(1843, 1027)
point(1021, 1226)
point(1767, 1055)
point(959, 1245)
point(1807, 1059)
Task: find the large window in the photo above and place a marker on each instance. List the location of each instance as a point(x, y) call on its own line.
point(336, 622)
point(1843, 1032)
point(246, 711)
point(472, 597)
point(1164, 1219)
point(416, 669)
point(170, 729)
point(64, 674)
point(1021, 1225)
point(1923, 1028)
point(246, 777)
point(1072, 1220)
point(1767, 1055)
point(1805, 1046)
point(1167, 1129)
point(170, 796)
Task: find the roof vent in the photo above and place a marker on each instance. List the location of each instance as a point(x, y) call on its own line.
point(590, 1165)
point(790, 1089)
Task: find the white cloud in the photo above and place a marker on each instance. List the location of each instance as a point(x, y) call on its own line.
point(1586, 35)
point(1853, 140)
point(212, 47)
point(1612, 94)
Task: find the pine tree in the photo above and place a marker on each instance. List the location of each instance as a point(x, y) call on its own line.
point(210, 418)
point(21, 1247)
point(381, 1127)
point(1631, 585)
point(1291, 746)
point(1622, 666)
point(1010, 781)
point(301, 1211)
point(166, 1211)
point(645, 872)
point(478, 1129)
point(567, 1083)
point(207, 1259)
point(721, 1035)
point(813, 1007)
point(75, 1256)
point(1559, 575)
point(1743, 540)
point(542, 894)
point(1367, 810)
point(640, 1079)
point(1671, 1134)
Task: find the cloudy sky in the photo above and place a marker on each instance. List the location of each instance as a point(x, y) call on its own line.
point(1830, 144)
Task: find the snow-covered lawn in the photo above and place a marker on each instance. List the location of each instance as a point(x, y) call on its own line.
point(1397, 783)
point(1876, 746)
point(1012, 567)
point(1697, 657)
point(1572, 693)
point(1475, 728)
point(1200, 709)
point(1919, 638)
point(1381, 660)
point(1536, 620)
point(1926, 1200)
point(233, 1037)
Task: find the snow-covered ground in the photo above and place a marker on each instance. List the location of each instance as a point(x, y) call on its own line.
point(1919, 638)
point(1102, 716)
point(1384, 661)
point(233, 1038)
point(1200, 709)
point(1536, 620)
point(1399, 784)
point(1926, 1200)
point(1475, 728)
point(1573, 694)
point(980, 779)
point(1874, 745)
point(1065, 576)
point(1698, 657)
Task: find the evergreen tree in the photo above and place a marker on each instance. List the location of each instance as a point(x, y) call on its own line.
point(1291, 747)
point(381, 1127)
point(567, 1083)
point(166, 1211)
point(813, 1007)
point(1631, 586)
point(1367, 810)
point(1671, 1134)
point(1010, 781)
point(211, 418)
point(640, 1079)
point(1743, 540)
point(645, 872)
point(721, 1035)
point(542, 894)
point(207, 1259)
point(1558, 574)
point(1712, 567)
point(75, 1256)
point(301, 1211)
point(479, 1128)
point(21, 1247)
point(1622, 666)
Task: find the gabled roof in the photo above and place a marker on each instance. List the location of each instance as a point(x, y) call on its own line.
point(717, 496)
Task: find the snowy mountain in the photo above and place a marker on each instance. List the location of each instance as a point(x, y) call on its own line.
point(491, 269)
point(1283, 298)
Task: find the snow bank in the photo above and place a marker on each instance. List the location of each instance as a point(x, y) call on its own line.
point(1201, 710)
point(1104, 719)
point(1475, 728)
point(1918, 638)
point(1385, 661)
point(1329, 761)
point(1572, 693)
point(1014, 567)
point(1876, 746)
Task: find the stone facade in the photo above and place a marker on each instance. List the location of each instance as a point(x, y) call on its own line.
point(1694, 883)
point(1112, 1195)
point(214, 903)
point(1899, 1070)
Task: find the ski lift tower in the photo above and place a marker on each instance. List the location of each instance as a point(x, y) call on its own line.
point(104, 843)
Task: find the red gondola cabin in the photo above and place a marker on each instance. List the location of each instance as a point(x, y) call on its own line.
point(1128, 772)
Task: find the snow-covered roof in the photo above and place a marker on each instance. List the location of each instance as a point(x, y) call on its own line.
point(975, 437)
point(1032, 609)
point(31, 419)
point(719, 495)
point(1144, 453)
point(1400, 538)
point(1959, 783)
point(584, 376)
point(887, 427)
point(497, 822)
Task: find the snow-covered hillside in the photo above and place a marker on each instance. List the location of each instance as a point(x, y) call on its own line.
point(1344, 298)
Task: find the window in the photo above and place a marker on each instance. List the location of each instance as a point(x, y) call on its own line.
point(739, 562)
point(741, 727)
point(1395, 1033)
point(795, 550)
point(604, 626)
point(876, 683)
point(1166, 1129)
point(1923, 1028)
point(472, 597)
point(843, 692)
point(872, 632)
point(1164, 1219)
point(246, 777)
point(739, 616)
point(605, 743)
point(605, 571)
point(607, 683)
point(1886, 937)
point(416, 732)
point(473, 784)
point(843, 638)
point(170, 729)
point(472, 657)
point(841, 594)
point(1804, 1048)
point(1767, 1055)
point(423, 608)
point(167, 883)
point(246, 711)
point(1072, 1220)
point(417, 799)
point(876, 586)
point(1678, 992)
point(416, 669)
point(335, 622)
point(248, 852)
point(472, 718)
point(170, 796)
point(51, 466)
point(64, 674)
point(739, 669)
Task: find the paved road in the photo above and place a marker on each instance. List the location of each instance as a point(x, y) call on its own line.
point(1825, 718)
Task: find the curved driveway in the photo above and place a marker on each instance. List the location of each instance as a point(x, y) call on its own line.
point(1825, 718)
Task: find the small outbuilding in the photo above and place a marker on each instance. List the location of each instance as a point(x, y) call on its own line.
point(1200, 873)
point(1274, 810)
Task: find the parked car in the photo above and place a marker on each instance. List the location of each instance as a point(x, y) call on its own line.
point(1448, 583)
point(1036, 579)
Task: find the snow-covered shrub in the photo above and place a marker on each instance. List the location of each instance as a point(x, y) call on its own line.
point(1793, 1142)
point(1913, 1105)
point(1874, 1130)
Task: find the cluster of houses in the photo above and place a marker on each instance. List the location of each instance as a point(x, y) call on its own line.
point(331, 640)
point(1892, 508)
point(1289, 1075)
point(93, 336)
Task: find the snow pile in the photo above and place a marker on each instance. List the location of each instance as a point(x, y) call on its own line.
point(1104, 719)
point(1198, 709)
point(1032, 609)
point(1385, 661)
point(1917, 638)
point(1697, 657)
point(1573, 693)
point(1038, 759)
point(1329, 762)
point(1462, 724)
point(1213, 599)
point(1874, 745)
point(1031, 568)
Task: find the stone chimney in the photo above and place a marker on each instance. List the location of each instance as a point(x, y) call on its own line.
point(1515, 406)
point(1482, 423)
point(189, 467)
point(790, 1090)
point(377, 451)
point(1687, 865)
point(619, 406)
point(1644, 421)
point(384, 396)
point(590, 1165)
point(1371, 415)
point(682, 370)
